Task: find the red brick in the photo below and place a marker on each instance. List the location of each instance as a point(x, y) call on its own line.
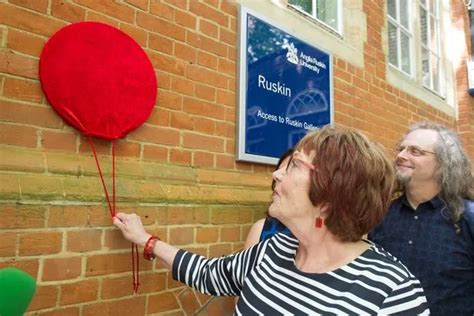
point(182, 121)
point(141, 4)
point(205, 92)
point(185, 19)
point(163, 302)
point(117, 287)
point(129, 306)
point(206, 76)
point(103, 264)
point(31, 115)
point(208, 44)
point(18, 65)
point(167, 64)
point(40, 243)
point(162, 10)
point(181, 236)
point(185, 52)
point(180, 157)
point(97, 17)
point(155, 153)
point(68, 311)
point(22, 90)
point(230, 234)
point(161, 26)
point(79, 292)
point(139, 35)
point(45, 297)
point(114, 240)
point(203, 159)
point(197, 141)
point(8, 243)
point(204, 125)
point(206, 235)
point(102, 146)
point(67, 11)
point(227, 67)
point(170, 100)
point(53, 140)
point(182, 4)
point(208, 28)
point(37, 5)
point(203, 10)
point(161, 44)
point(25, 43)
point(183, 86)
point(188, 300)
point(207, 60)
point(225, 129)
point(83, 240)
point(18, 135)
point(219, 250)
point(68, 216)
point(225, 161)
point(199, 107)
point(227, 37)
point(155, 135)
point(56, 269)
point(229, 8)
point(22, 216)
point(29, 21)
point(28, 266)
point(110, 8)
point(127, 149)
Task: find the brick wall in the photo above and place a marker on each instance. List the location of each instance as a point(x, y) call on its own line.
point(177, 171)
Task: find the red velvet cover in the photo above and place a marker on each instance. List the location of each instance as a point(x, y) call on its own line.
point(98, 79)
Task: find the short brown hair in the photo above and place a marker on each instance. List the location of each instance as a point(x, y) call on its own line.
point(353, 177)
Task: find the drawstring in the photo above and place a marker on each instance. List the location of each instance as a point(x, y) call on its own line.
point(135, 261)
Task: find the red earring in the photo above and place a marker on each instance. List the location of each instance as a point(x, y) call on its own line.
point(319, 222)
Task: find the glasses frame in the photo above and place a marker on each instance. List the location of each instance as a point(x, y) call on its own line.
point(412, 150)
point(305, 163)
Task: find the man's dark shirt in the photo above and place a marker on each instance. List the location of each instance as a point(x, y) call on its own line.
point(426, 242)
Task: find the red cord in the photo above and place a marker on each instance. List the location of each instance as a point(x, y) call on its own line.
point(113, 178)
point(135, 276)
point(135, 265)
point(91, 143)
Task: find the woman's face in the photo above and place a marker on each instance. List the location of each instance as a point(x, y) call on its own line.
point(290, 196)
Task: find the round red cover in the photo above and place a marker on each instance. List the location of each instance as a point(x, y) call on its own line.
point(98, 79)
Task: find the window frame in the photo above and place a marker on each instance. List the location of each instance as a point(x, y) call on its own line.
point(438, 54)
point(410, 32)
point(313, 15)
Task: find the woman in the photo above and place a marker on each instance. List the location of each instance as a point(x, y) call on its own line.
point(335, 189)
point(267, 227)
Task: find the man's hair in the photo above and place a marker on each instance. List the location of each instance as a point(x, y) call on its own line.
point(455, 172)
point(353, 177)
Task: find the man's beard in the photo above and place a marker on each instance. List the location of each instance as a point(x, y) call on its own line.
point(402, 180)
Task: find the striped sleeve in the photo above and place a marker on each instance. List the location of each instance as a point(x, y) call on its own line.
point(407, 298)
point(222, 276)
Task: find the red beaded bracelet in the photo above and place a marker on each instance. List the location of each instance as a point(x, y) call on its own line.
point(149, 246)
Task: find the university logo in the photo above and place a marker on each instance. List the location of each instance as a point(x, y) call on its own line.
point(292, 54)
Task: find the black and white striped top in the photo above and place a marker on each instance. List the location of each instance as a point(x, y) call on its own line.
point(268, 282)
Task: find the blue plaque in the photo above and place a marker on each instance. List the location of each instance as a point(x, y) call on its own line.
point(285, 89)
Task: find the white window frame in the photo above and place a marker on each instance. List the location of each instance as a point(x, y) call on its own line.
point(433, 49)
point(313, 15)
point(444, 99)
point(396, 22)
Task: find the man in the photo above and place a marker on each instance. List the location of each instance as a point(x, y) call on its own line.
point(430, 227)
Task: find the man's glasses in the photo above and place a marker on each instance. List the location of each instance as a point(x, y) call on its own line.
point(413, 151)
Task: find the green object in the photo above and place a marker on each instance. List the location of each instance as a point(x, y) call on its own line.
point(16, 291)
